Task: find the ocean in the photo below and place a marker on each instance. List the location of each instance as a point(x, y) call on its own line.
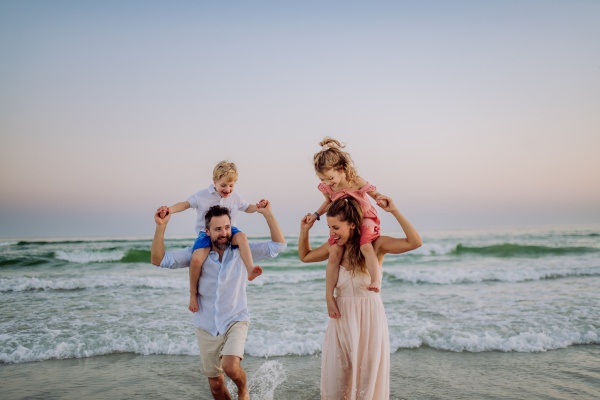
point(489, 302)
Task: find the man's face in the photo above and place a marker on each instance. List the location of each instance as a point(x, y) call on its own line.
point(224, 186)
point(220, 232)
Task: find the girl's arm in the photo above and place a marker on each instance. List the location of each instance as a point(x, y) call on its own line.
point(374, 194)
point(307, 255)
point(394, 245)
point(184, 205)
point(326, 203)
point(251, 208)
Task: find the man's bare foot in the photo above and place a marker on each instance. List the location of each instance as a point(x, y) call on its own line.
point(332, 308)
point(193, 303)
point(374, 286)
point(245, 395)
point(255, 273)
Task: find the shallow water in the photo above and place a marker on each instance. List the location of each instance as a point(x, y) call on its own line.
point(422, 373)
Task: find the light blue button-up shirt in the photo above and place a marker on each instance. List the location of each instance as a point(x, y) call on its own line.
point(222, 289)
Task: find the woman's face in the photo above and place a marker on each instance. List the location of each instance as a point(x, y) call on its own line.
point(340, 230)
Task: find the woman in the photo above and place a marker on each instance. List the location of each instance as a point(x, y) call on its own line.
point(356, 350)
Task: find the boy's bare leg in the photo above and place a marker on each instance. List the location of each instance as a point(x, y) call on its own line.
point(198, 258)
point(235, 372)
point(372, 266)
point(240, 239)
point(336, 252)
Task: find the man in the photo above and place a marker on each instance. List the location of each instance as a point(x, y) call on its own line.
point(222, 319)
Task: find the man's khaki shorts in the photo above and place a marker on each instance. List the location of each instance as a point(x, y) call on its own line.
point(212, 348)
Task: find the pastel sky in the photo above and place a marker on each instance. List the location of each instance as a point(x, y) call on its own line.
point(466, 113)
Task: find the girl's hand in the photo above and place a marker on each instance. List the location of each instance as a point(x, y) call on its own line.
point(262, 204)
point(307, 222)
point(386, 203)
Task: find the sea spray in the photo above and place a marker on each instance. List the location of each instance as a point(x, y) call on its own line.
point(263, 383)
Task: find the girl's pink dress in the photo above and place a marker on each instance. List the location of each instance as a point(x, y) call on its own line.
point(370, 228)
point(355, 363)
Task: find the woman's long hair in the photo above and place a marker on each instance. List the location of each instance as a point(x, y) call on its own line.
point(348, 210)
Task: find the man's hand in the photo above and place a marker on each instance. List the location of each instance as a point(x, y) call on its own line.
point(162, 217)
point(386, 203)
point(263, 206)
point(307, 222)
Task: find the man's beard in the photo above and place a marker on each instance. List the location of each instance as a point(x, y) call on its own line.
point(221, 245)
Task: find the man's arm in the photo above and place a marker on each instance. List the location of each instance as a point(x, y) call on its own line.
point(276, 233)
point(158, 255)
point(157, 251)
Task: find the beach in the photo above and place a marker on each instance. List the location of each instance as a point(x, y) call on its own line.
point(480, 313)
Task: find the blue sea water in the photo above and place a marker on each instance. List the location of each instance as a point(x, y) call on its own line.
point(509, 290)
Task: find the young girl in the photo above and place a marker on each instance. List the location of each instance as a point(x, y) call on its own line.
point(338, 177)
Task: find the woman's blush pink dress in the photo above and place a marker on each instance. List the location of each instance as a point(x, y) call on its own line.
point(356, 351)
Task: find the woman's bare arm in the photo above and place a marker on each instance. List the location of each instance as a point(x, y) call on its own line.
point(389, 245)
point(307, 255)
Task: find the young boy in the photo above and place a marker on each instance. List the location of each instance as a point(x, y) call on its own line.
point(221, 192)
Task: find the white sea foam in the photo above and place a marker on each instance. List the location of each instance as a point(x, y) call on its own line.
point(20, 284)
point(7, 243)
point(49, 346)
point(54, 344)
point(527, 342)
point(263, 343)
point(263, 383)
point(82, 256)
point(450, 276)
point(433, 249)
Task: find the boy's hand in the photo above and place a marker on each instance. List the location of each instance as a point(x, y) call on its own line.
point(161, 220)
point(263, 206)
point(163, 211)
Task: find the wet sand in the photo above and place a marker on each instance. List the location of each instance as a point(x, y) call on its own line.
point(422, 373)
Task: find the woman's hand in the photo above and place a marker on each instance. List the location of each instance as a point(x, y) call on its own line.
point(386, 203)
point(307, 222)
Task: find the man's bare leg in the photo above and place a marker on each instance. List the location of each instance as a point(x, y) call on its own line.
point(198, 258)
point(218, 388)
point(241, 240)
point(233, 369)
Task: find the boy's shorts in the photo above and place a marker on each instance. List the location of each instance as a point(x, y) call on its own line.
point(203, 239)
point(213, 348)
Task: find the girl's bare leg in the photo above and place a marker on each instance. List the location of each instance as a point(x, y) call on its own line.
point(198, 258)
point(336, 252)
point(372, 266)
point(240, 239)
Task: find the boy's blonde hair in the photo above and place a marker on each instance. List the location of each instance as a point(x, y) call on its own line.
point(331, 156)
point(227, 169)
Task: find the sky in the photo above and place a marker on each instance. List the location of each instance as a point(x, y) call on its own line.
point(466, 113)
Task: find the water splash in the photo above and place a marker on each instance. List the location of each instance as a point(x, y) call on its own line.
point(263, 383)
